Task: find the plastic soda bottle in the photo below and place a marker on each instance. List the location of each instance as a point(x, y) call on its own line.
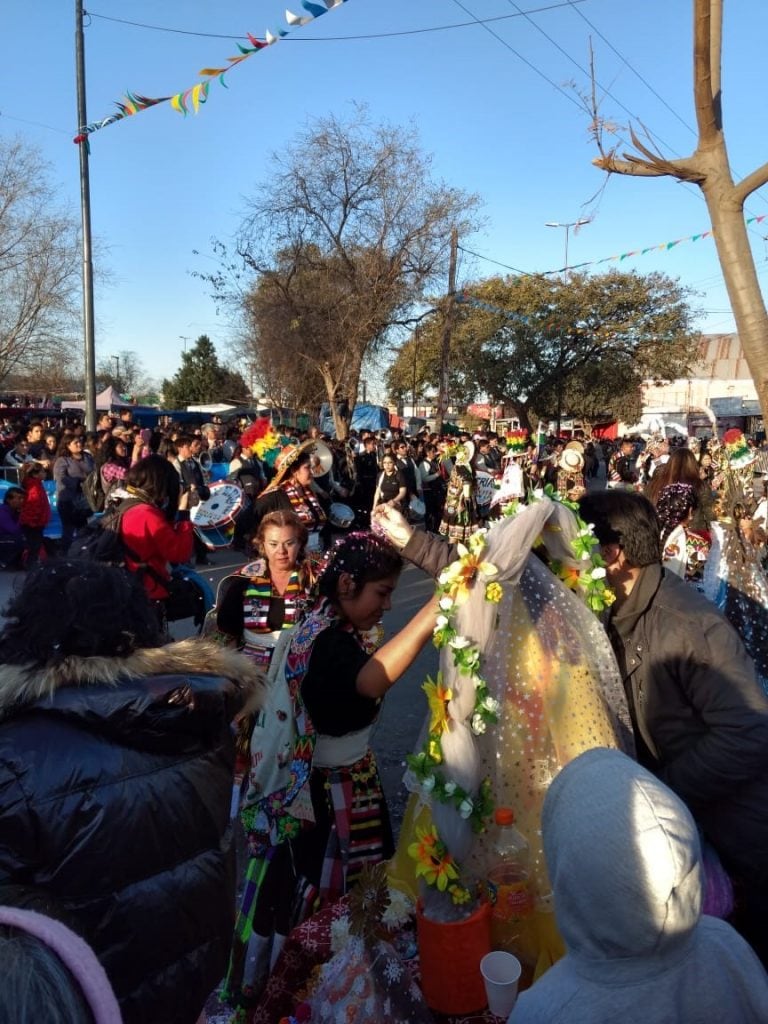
point(509, 890)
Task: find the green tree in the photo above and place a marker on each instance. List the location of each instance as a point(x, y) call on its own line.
point(582, 345)
point(202, 380)
point(338, 245)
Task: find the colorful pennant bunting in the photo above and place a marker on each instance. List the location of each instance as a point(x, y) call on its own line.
point(663, 247)
point(190, 100)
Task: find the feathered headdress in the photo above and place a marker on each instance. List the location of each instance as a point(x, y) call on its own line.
point(260, 438)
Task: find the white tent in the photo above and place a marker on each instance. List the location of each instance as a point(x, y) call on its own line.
point(108, 399)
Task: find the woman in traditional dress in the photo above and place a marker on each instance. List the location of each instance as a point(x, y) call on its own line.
point(684, 550)
point(338, 679)
point(291, 490)
point(253, 609)
point(461, 515)
point(270, 594)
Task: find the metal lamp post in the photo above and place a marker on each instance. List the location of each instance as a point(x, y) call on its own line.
point(567, 225)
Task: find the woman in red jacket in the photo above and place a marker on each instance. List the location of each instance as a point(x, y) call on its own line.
point(36, 510)
point(156, 528)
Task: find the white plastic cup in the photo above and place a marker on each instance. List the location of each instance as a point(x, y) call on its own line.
point(501, 975)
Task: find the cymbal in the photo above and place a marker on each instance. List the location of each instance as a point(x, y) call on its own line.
point(321, 459)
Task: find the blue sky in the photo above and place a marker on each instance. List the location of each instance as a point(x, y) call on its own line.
point(162, 185)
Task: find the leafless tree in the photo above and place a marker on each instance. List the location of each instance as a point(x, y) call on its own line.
point(709, 168)
point(39, 263)
point(338, 244)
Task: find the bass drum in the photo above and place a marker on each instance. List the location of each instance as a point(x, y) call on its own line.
point(214, 518)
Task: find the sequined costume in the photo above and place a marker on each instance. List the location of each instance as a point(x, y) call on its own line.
point(547, 660)
point(460, 514)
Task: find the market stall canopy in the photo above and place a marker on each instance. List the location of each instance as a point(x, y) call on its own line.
point(108, 399)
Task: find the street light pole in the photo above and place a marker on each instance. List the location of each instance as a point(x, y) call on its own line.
point(567, 225)
point(185, 339)
point(89, 318)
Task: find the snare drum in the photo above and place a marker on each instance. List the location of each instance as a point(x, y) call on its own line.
point(214, 518)
point(341, 517)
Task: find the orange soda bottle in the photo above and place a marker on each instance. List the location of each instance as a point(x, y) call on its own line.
point(509, 890)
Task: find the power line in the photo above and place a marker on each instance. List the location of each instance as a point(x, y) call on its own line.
point(488, 259)
point(336, 39)
point(37, 124)
point(634, 71)
point(519, 56)
point(645, 82)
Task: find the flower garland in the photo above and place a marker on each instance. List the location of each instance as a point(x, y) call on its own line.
point(434, 862)
point(591, 578)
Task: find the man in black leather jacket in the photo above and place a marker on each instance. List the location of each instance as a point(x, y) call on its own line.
point(699, 713)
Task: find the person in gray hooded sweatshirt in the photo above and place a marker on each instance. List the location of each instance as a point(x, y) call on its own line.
point(624, 860)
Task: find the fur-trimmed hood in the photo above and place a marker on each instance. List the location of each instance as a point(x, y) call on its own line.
point(22, 685)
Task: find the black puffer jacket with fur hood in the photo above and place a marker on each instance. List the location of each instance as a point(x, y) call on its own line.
point(115, 792)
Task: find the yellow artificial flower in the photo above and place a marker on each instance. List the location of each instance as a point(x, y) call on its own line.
point(460, 575)
point(437, 698)
point(423, 848)
point(433, 862)
point(569, 575)
point(494, 593)
point(459, 894)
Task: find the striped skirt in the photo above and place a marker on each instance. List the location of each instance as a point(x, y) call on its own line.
point(352, 828)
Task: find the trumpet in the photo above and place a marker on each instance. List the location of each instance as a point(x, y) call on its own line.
point(206, 461)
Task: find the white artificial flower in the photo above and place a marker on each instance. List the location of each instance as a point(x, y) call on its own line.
point(465, 808)
point(587, 530)
point(428, 784)
point(450, 788)
point(441, 622)
point(446, 603)
point(478, 727)
point(443, 578)
point(492, 705)
point(598, 573)
point(586, 556)
point(458, 643)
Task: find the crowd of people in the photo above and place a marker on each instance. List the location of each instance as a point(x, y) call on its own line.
point(261, 726)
